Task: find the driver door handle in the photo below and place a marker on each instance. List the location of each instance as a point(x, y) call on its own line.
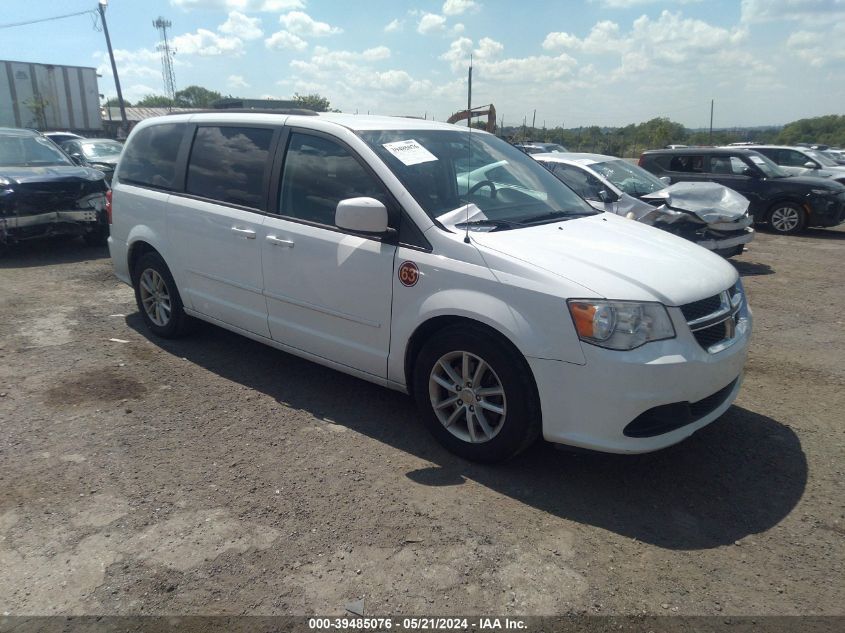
point(277, 241)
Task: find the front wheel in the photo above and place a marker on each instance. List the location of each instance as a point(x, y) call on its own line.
point(158, 298)
point(787, 218)
point(477, 395)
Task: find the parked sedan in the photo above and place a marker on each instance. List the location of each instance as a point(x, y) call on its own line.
point(99, 153)
point(708, 214)
point(42, 193)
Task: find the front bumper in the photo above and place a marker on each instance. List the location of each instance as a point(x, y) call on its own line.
point(721, 244)
point(826, 210)
point(590, 405)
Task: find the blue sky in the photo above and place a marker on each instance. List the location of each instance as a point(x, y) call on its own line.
point(603, 62)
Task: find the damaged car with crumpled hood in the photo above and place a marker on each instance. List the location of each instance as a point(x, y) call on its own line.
point(711, 215)
point(43, 193)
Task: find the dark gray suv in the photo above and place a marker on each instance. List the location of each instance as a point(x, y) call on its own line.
point(786, 203)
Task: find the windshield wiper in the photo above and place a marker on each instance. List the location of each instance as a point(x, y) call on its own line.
point(555, 215)
point(497, 224)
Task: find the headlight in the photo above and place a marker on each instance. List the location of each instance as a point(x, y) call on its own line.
point(620, 325)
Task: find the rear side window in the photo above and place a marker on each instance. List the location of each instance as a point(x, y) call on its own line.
point(318, 174)
point(228, 164)
point(150, 159)
point(732, 165)
point(686, 163)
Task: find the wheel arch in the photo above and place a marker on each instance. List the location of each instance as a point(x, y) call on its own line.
point(435, 324)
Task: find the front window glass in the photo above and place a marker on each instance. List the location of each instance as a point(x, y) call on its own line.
point(29, 151)
point(445, 170)
point(633, 180)
point(582, 182)
point(821, 158)
point(319, 173)
point(769, 168)
point(101, 149)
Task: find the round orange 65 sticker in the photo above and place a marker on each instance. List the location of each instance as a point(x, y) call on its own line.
point(409, 274)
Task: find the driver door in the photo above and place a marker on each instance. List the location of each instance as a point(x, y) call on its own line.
point(328, 291)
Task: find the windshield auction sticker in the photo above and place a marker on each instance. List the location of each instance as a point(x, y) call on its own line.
point(410, 152)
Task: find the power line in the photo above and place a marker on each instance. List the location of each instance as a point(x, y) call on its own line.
point(55, 17)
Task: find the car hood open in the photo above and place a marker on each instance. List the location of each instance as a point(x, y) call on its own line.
point(617, 258)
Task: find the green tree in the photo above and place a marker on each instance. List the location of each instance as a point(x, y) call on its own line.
point(313, 102)
point(154, 101)
point(112, 102)
point(196, 97)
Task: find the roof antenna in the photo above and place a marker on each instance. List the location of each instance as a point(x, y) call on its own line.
point(469, 143)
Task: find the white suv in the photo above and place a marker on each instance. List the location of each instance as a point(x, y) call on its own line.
point(434, 260)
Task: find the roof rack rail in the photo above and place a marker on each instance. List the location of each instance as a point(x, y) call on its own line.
point(299, 111)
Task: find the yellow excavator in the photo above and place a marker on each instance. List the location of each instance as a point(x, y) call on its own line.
point(477, 111)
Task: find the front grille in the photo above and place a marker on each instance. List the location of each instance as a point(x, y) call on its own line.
point(701, 308)
point(714, 319)
point(711, 335)
point(669, 417)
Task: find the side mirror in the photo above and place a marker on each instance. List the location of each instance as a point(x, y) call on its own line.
point(666, 179)
point(749, 172)
point(810, 165)
point(362, 215)
point(76, 158)
point(607, 196)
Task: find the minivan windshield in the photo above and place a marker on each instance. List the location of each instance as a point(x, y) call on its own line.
point(17, 150)
point(633, 180)
point(445, 170)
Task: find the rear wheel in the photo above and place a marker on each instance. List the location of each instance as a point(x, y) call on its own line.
point(477, 395)
point(158, 298)
point(787, 218)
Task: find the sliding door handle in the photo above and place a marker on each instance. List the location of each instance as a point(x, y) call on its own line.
point(247, 233)
point(277, 241)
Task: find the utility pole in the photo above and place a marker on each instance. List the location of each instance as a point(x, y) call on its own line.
point(469, 94)
point(102, 7)
point(710, 142)
point(533, 120)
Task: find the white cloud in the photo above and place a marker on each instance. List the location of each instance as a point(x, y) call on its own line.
point(282, 40)
point(487, 62)
point(269, 6)
point(821, 47)
point(457, 29)
point(457, 7)
point(302, 24)
point(431, 23)
point(628, 4)
point(806, 11)
point(242, 26)
point(237, 81)
point(207, 43)
point(395, 26)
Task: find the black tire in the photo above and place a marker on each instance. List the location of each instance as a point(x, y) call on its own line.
point(787, 218)
point(514, 431)
point(177, 322)
point(98, 237)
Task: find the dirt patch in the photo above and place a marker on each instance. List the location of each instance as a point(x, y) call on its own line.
point(97, 385)
point(236, 479)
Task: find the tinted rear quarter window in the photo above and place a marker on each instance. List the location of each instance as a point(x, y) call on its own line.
point(150, 158)
point(228, 164)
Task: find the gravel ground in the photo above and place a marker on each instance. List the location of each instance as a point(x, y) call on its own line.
point(214, 475)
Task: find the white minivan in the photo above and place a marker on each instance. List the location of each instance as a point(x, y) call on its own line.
point(434, 260)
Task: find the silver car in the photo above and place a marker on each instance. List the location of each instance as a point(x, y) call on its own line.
point(803, 161)
point(706, 213)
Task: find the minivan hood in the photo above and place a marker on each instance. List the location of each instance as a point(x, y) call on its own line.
point(617, 259)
